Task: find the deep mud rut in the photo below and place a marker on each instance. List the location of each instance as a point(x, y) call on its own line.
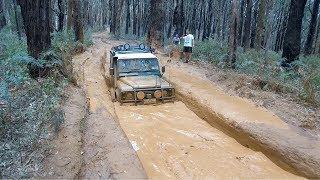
point(155, 141)
point(173, 142)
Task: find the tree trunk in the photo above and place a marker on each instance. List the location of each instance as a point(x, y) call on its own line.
point(261, 25)
point(118, 5)
point(17, 19)
point(240, 34)
point(128, 20)
point(292, 39)
point(156, 28)
point(60, 15)
point(135, 17)
point(178, 18)
point(70, 14)
point(37, 24)
point(316, 49)
point(312, 28)
point(247, 25)
point(78, 22)
point(233, 35)
point(2, 15)
point(253, 27)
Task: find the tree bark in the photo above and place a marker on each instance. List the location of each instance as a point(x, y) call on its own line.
point(37, 24)
point(70, 14)
point(156, 28)
point(60, 15)
point(128, 20)
point(312, 28)
point(292, 39)
point(233, 35)
point(240, 34)
point(247, 25)
point(178, 18)
point(78, 22)
point(135, 17)
point(261, 25)
point(116, 20)
point(17, 16)
point(2, 15)
point(253, 27)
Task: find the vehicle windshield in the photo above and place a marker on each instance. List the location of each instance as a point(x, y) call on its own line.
point(138, 67)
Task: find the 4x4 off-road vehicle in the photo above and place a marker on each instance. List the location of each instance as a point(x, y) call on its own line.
point(136, 76)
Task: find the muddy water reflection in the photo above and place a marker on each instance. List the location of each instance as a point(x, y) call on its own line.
point(172, 142)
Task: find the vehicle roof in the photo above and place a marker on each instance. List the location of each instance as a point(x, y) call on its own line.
point(135, 56)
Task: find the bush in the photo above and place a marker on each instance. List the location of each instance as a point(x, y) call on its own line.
point(211, 51)
point(30, 109)
point(265, 65)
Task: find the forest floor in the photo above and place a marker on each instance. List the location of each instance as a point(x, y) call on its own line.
point(203, 134)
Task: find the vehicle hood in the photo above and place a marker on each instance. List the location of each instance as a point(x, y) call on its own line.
point(152, 81)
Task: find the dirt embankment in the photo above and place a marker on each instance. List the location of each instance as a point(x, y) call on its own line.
point(65, 157)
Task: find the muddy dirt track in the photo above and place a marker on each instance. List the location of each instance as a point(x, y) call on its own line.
point(160, 141)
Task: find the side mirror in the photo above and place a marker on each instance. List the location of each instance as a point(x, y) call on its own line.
point(111, 72)
point(163, 69)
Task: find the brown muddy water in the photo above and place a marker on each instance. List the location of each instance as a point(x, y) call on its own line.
point(173, 142)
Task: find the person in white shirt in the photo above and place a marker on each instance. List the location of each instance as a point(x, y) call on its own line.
point(188, 44)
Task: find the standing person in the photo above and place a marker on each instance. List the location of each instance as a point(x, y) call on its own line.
point(188, 45)
point(176, 39)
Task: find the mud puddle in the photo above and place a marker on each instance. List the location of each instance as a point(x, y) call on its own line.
point(173, 142)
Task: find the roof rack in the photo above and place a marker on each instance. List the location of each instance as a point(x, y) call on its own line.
point(127, 49)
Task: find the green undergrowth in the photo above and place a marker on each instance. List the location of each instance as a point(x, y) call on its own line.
point(30, 109)
point(303, 79)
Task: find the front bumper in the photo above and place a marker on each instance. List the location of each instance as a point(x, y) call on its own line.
point(149, 95)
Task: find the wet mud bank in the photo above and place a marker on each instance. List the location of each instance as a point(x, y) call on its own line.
point(65, 159)
point(252, 126)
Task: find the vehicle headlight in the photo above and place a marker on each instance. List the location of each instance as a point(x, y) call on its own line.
point(129, 95)
point(165, 93)
point(157, 94)
point(141, 95)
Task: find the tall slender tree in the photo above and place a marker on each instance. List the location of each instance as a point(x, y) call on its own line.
point(233, 35)
point(17, 17)
point(60, 15)
point(156, 28)
point(2, 15)
point(70, 14)
point(261, 25)
point(128, 21)
point(247, 25)
point(116, 19)
point(241, 17)
point(292, 38)
point(178, 18)
point(37, 24)
point(78, 21)
point(312, 28)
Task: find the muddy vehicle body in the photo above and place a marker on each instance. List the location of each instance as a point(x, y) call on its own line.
point(136, 76)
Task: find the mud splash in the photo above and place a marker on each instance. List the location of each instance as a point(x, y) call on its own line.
point(173, 142)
